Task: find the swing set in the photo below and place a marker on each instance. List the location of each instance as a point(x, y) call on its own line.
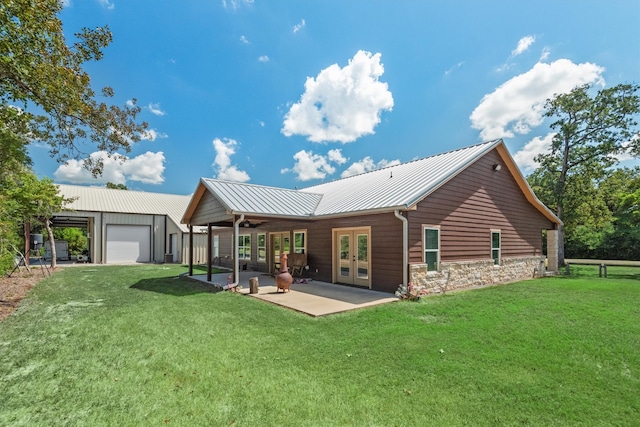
point(21, 261)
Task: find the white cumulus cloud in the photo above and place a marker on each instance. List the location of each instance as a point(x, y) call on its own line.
point(310, 166)
point(225, 148)
point(341, 104)
point(336, 156)
point(517, 105)
point(147, 168)
point(525, 156)
point(366, 165)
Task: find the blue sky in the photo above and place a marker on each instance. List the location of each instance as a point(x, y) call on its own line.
point(293, 93)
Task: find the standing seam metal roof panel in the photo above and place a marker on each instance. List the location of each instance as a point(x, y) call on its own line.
point(395, 186)
point(257, 199)
point(100, 199)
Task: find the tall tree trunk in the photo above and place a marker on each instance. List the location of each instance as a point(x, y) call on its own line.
point(52, 243)
point(560, 192)
point(559, 214)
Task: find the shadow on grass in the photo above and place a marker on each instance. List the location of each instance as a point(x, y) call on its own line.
point(176, 286)
point(631, 276)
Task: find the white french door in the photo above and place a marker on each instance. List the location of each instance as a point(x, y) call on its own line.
point(280, 244)
point(352, 254)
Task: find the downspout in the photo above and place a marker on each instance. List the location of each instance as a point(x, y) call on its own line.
point(190, 249)
point(165, 235)
point(153, 240)
point(236, 260)
point(405, 244)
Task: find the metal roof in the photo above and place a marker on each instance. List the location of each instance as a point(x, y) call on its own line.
point(400, 186)
point(394, 187)
point(257, 199)
point(100, 199)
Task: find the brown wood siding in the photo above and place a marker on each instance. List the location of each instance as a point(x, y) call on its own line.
point(209, 210)
point(472, 204)
point(386, 246)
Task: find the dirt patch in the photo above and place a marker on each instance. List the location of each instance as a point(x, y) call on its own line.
point(13, 289)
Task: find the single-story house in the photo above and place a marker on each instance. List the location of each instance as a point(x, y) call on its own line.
point(463, 218)
point(125, 226)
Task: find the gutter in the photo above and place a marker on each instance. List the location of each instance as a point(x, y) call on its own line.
point(405, 245)
point(236, 260)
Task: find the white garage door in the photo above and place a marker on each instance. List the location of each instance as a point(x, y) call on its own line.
point(128, 243)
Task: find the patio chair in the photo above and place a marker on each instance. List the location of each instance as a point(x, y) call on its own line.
point(297, 263)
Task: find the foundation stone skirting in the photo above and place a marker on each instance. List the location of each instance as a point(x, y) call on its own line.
point(468, 274)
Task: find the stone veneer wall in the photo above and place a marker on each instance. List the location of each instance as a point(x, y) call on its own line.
point(467, 274)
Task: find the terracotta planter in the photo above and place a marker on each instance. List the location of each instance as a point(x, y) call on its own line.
point(283, 279)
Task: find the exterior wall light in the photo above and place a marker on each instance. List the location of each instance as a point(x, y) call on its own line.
point(497, 167)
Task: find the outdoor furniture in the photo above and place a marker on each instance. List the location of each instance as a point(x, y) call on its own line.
point(276, 269)
point(297, 263)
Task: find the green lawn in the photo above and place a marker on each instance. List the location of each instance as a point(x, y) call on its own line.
point(138, 346)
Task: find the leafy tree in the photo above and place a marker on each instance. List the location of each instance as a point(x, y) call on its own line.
point(13, 144)
point(46, 95)
point(76, 237)
point(590, 133)
point(622, 192)
point(116, 186)
point(45, 92)
point(36, 200)
point(587, 221)
point(13, 161)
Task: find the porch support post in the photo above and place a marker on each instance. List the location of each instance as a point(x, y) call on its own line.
point(552, 250)
point(405, 245)
point(190, 250)
point(236, 240)
point(208, 252)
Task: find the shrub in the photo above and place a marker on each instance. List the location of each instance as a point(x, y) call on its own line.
point(410, 292)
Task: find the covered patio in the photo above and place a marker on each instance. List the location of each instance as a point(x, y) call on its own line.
point(313, 298)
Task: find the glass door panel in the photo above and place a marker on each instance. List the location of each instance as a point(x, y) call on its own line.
point(344, 272)
point(362, 261)
point(276, 249)
point(352, 257)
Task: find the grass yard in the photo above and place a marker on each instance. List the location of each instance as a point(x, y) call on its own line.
point(132, 346)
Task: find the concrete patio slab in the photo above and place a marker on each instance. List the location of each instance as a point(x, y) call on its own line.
point(313, 298)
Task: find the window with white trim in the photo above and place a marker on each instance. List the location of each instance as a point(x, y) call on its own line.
point(300, 241)
point(432, 248)
point(262, 247)
point(496, 246)
point(244, 246)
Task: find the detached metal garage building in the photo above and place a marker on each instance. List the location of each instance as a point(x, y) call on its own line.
point(125, 226)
